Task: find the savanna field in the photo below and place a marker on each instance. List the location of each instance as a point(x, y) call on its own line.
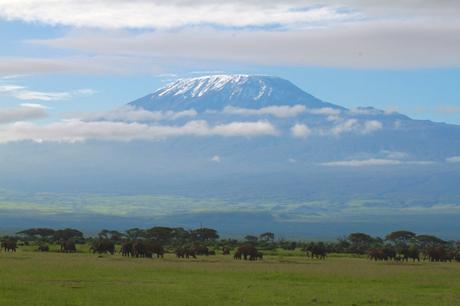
point(28, 277)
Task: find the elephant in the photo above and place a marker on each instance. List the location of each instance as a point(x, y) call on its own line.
point(127, 249)
point(247, 252)
point(316, 250)
point(9, 245)
point(68, 246)
point(103, 246)
point(43, 248)
point(185, 252)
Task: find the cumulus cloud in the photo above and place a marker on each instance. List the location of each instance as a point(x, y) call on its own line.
point(366, 111)
point(453, 159)
point(24, 112)
point(22, 93)
point(132, 114)
point(326, 111)
point(356, 126)
point(77, 130)
point(282, 111)
point(216, 159)
point(300, 131)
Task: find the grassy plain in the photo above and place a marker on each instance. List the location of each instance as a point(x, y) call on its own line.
point(31, 278)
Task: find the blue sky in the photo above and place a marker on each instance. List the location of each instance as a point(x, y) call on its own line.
point(349, 53)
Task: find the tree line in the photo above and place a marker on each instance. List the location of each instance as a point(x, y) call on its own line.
point(401, 245)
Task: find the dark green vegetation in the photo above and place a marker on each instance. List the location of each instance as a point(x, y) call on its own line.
point(90, 275)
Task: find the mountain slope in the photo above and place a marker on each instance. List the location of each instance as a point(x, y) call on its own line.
point(217, 91)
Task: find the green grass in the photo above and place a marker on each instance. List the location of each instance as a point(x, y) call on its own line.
point(31, 278)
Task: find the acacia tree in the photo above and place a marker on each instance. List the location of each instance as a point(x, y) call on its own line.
point(400, 237)
point(267, 237)
point(161, 234)
point(113, 235)
point(135, 233)
point(204, 234)
point(360, 243)
point(68, 234)
point(37, 234)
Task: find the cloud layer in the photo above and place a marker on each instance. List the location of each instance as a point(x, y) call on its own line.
point(25, 112)
point(131, 114)
point(77, 130)
point(23, 93)
point(142, 14)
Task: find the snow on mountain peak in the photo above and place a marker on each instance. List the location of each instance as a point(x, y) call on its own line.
point(200, 86)
point(218, 91)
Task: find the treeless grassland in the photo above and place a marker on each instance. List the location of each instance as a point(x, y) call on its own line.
point(32, 278)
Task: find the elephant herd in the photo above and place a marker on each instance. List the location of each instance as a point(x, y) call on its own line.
point(434, 253)
point(141, 249)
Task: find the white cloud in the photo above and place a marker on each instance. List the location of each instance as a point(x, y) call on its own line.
point(132, 114)
point(326, 111)
point(22, 93)
point(453, 159)
point(394, 154)
point(356, 126)
point(371, 126)
point(375, 162)
point(362, 163)
point(76, 130)
point(95, 65)
point(155, 14)
point(216, 159)
point(282, 111)
point(373, 44)
point(366, 111)
point(24, 112)
point(338, 33)
point(300, 131)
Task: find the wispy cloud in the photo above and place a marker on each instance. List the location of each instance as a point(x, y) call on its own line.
point(376, 44)
point(23, 93)
point(25, 112)
point(132, 114)
point(372, 162)
point(143, 14)
point(449, 109)
point(77, 130)
point(453, 159)
point(282, 111)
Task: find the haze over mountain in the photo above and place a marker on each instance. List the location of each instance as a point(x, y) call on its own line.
point(238, 151)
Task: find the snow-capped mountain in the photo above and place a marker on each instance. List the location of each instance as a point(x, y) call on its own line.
point(218, 91)
point(237, 144)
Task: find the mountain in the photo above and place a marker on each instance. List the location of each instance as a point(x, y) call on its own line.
point(244, 154)
point(218, 91)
